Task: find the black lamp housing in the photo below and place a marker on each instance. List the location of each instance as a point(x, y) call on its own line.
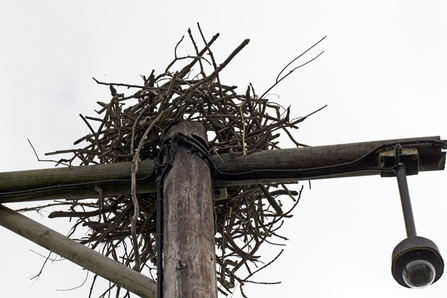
point(409, 252)
point(416, 261)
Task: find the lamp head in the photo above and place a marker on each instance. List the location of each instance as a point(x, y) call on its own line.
point(416, 262)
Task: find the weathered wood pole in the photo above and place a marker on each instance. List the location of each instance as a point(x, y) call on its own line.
point(91, 260)
point(188, 250)
point(114, 179)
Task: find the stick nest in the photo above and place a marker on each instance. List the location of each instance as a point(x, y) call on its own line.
point(131, 128)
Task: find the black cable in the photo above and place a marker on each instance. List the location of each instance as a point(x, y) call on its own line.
point(159, 240)
point(70, 185)
point(163, 164)
point(347, 167)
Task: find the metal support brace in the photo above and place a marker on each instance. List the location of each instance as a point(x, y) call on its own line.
point(405, 200)
point(403, 161)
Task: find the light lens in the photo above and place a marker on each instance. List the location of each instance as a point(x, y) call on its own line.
point(419, 273)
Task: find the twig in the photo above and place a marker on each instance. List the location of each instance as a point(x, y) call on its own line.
point(278, 80)
point(44, 160)
point(243, 128)
point(43, 266)
point(299, 56)
point(77, 287)
point(122, 85)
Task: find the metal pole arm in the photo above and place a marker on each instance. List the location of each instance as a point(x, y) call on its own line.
point(405, 199)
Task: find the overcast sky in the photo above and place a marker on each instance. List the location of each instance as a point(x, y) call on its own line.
point(382, 75)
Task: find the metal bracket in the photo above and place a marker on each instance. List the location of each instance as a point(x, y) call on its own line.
point(220, 194)
point(409, 157)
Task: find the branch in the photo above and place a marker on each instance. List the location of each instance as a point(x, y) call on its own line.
point(278, 80)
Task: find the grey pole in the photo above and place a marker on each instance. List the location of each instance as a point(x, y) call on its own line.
point(99, 264)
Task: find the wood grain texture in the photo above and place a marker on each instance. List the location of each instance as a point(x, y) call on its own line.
point(307, 157)
point(431, 159)
point(77, 253)
point(189, 255)
point(35, 179)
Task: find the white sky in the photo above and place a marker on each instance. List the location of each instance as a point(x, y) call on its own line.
point(383, 75)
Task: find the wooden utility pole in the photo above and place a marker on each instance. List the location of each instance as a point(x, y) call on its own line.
point(188, 230)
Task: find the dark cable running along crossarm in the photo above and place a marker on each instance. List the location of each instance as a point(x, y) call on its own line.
point(44, 189)
point(197, 147)
point(313, 172)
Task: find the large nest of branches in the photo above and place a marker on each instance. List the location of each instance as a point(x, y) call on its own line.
point(132, 125)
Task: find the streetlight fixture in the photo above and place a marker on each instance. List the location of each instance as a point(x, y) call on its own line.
point(416, 261)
